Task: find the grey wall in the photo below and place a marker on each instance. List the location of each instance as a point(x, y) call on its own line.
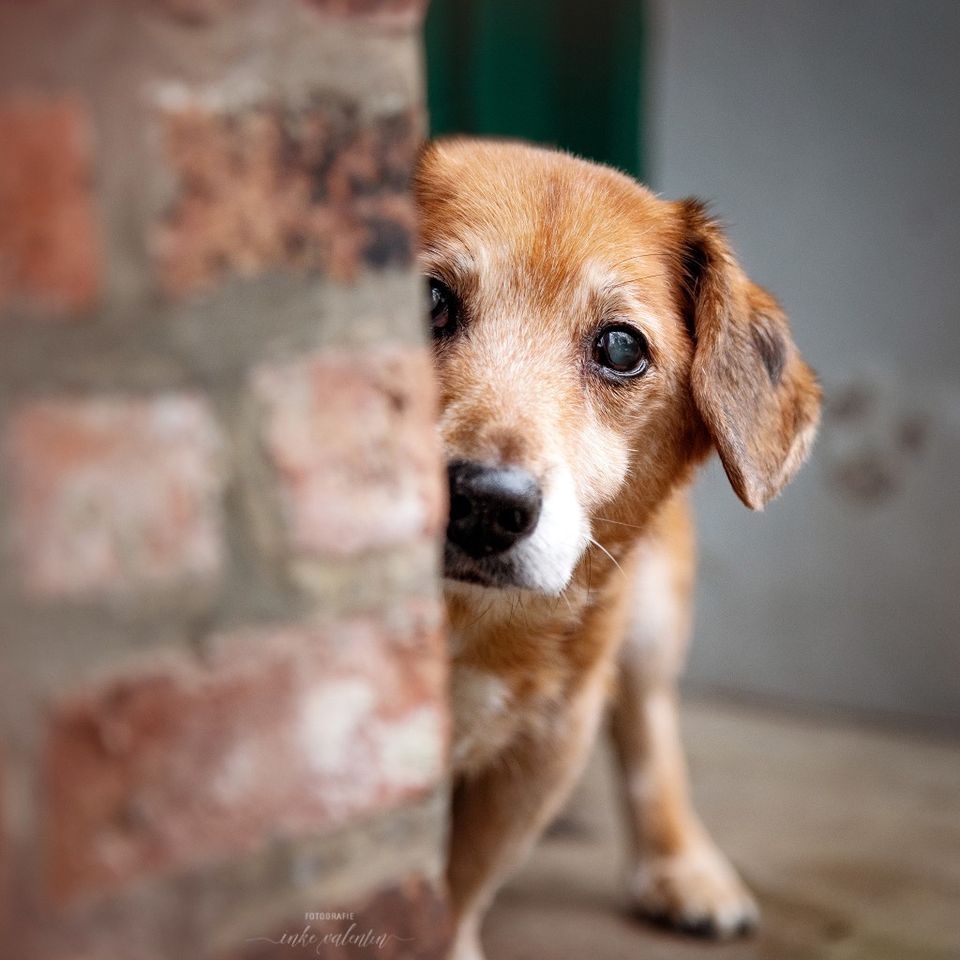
point(827, 135)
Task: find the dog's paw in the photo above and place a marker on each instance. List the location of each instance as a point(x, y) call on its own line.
point(466, 952)
point(466, 943)
point(697, 892)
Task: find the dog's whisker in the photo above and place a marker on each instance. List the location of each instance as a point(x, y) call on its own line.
point(480, 616)
point(620, 523)
point(597, 543)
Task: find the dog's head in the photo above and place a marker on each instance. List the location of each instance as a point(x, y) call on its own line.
point(592, 341)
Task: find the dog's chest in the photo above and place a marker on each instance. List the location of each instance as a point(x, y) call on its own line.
point(492, 708)
point(486, 716)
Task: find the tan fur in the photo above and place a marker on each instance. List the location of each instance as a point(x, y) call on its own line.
point(541, 248)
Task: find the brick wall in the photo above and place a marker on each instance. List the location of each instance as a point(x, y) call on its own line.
point(222, 681)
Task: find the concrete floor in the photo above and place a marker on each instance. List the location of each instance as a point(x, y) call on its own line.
point(849, 836)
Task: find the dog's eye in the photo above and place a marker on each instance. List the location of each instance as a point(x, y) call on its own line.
point(621, 350)
point(444, 309)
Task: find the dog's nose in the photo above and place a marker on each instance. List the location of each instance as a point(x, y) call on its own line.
point(491, 508)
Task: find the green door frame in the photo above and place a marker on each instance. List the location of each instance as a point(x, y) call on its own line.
point(562, 72)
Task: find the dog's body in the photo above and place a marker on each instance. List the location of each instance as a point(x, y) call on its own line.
point(593, 344)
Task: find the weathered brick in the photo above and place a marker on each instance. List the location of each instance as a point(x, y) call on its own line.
point(406, 921)
point(49, 243)
point(114, 493)
point(352, 438)
point(267, 188)
point(283, 732)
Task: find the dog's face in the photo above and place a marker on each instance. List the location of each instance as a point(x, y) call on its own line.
point(591, 341)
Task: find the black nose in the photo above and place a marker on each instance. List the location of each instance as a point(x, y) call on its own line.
point(491, 508)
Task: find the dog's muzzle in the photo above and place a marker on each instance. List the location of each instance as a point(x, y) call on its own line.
point(491, 508)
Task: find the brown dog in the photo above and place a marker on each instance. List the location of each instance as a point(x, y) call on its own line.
point(593, 344)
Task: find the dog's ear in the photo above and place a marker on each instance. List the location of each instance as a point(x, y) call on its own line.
point(759, 400)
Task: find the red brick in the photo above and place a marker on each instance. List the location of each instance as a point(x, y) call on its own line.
point(406, 921)
point(113, 493)
point(49, 243)
point(285, 732)
point(353, 439)
point(265, 189)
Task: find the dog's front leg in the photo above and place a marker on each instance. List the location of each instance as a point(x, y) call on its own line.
point(500, 811)
point(677, 873)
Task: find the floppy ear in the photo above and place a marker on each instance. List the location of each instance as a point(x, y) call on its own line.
point(759, 400)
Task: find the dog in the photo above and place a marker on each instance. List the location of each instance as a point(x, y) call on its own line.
point(593, 344)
